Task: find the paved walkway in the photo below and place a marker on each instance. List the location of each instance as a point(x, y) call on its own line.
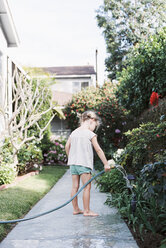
point(61, 229)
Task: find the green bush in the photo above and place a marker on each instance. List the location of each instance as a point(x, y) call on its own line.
point(145, 73)
point(46, 144)
point(153, 178)
point(150, 195)
point(111, 182)
point(154, 114)
point(8, 171)
point(146, 144)
point(103, 101)
point(29, 155)
point(148, 216)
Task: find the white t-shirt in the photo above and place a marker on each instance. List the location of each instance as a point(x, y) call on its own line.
point(81, 150)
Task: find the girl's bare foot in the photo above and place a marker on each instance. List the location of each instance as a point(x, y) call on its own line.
point(90, 213)
point(78, 211)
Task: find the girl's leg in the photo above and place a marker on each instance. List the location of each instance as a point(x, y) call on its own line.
point(86, 195)
point(75, 187)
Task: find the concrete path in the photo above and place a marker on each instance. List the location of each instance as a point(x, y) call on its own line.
point(61, 229)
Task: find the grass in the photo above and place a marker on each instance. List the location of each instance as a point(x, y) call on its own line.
point(16, 201)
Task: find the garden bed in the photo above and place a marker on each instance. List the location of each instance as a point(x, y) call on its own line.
point(146, 239)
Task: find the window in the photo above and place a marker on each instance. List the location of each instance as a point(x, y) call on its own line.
point(76, 87)
point(84, 85)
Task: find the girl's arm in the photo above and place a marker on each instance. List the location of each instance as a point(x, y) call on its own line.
point(100, 153)
point(67, 147)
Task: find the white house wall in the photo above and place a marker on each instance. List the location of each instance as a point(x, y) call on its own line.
point(3, 76)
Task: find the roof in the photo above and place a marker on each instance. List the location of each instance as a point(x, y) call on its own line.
point(62, 98)
point(70, 70)
point(7, 24)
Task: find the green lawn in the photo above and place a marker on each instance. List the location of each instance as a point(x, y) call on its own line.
point(16, 201)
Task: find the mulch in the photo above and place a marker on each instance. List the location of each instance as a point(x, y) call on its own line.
point(146, 239)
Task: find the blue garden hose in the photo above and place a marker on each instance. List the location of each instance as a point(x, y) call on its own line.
point(54, 209)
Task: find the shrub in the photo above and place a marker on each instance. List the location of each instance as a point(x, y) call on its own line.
point(56, 152)
point(112, 182)
point(146, 72)
point(145, 145)
point(153, 178)
point(153, 114)
point(8, 171)
point(46, 143)
point(103, 101)
point(29, 155)
point(149, 190)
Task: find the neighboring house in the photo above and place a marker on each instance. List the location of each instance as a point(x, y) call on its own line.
point(68, 80)
point(8, 38)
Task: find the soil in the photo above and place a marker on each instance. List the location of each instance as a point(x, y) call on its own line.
point(148, 239)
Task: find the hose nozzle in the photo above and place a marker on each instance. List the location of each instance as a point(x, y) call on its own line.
point(111, 163)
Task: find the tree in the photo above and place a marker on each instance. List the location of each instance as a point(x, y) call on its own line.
point(125, 23)
point(144, 74)
point(32, 113)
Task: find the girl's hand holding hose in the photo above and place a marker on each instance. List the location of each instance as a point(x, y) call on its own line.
point(107, 167)
point(111, 163)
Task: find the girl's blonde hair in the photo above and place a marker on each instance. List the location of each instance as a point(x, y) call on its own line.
point(89, 114)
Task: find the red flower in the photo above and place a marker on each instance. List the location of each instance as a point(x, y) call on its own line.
point(154, 99)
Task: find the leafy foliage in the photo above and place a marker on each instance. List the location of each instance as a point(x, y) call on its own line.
point(142, 144)
point(150, 197)
point(103, 101)
point(153, 178)
point(111, 182)
point(124, 24)
point(28, 155)
point(8, 170)
point(146, 72)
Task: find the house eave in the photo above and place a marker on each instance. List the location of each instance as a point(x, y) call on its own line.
point(66, 76)
point(7, 25)
point(71, 76)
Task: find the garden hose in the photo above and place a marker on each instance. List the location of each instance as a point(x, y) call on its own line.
point(54, 209)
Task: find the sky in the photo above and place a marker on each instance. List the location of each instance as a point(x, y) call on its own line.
point(58, 33)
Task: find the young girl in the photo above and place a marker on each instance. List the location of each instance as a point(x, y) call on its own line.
point(79, 149)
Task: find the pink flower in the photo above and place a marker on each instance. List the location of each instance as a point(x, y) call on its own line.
point(117, 131)
point(53, 152)
point(158, 135)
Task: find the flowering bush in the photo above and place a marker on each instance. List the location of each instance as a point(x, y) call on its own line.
point(103, 101)
point(57, 153)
